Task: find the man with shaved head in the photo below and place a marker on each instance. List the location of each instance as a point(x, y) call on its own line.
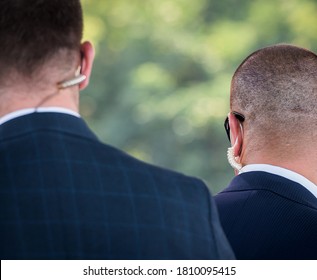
point(269, 210)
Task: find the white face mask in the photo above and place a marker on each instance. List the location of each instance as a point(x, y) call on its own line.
point(232, 159)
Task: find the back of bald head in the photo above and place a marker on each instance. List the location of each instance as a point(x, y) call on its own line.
point(276, 89)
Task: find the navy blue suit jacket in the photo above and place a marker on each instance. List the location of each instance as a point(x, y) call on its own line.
point(65, 195)
point(266, 216)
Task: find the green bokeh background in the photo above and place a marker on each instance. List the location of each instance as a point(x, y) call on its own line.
point(160, 85)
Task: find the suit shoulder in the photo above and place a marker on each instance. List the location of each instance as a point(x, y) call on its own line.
point(135, 163)
point(139, 168)
point(264, 188)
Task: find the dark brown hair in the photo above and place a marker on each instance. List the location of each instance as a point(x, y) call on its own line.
point(31, 32)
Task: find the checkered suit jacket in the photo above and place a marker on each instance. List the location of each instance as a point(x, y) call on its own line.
point(65, 195)
point(266, 216)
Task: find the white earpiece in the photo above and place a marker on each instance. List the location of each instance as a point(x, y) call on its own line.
point(72, 82)
point(79, 78)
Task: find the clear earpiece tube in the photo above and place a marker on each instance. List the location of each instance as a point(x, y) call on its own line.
point(232, 160)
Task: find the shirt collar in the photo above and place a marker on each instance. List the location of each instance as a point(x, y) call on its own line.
point(27, 111)
point(280, 171)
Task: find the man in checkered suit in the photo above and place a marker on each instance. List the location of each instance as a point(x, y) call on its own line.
point(64, 194)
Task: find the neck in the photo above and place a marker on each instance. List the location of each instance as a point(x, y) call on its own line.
point(14, 100)
point(41, 89)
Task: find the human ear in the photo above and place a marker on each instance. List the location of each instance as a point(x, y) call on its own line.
point(236, 134)
point(87, 59)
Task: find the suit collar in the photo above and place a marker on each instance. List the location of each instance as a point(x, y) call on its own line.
point(45, 121)
point(259, 180)
point(286, 173)
point(26, 111)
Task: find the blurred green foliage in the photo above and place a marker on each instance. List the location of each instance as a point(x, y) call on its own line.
point(161, 79)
